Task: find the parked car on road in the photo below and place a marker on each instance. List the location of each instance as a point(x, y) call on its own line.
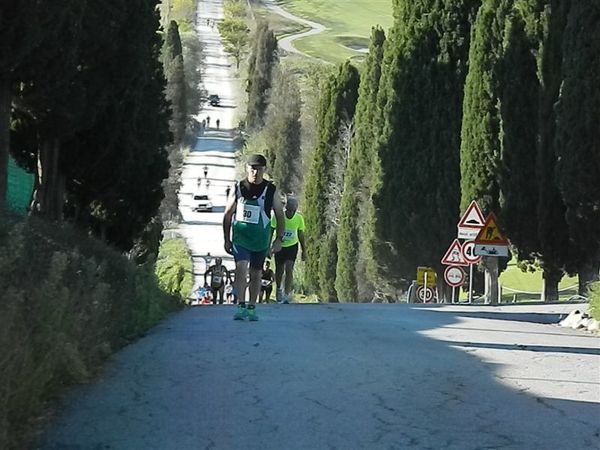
point(214, 100)
point(202, 203)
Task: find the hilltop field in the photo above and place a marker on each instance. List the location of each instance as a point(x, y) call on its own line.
point(348, 25)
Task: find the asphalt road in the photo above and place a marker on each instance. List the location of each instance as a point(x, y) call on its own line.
point(344, 377)
point(213, 149)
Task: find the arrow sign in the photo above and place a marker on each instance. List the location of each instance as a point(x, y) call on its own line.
point(454, 255)
point(471, 222)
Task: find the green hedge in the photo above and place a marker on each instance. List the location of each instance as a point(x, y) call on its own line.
point(174, 268)
point(67, 302)
point(595, 301)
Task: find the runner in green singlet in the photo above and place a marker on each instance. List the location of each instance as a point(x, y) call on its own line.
point(248, 215)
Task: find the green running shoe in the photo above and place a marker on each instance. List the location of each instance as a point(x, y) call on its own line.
point(251, 314)
point(241, 313)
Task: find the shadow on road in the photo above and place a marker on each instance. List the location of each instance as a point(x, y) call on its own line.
point(547, 318)
point(531, 348)
point(347, 376)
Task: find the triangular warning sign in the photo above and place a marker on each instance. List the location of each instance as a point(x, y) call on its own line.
point(490, 234)
point(454, 256)
point(472, 218)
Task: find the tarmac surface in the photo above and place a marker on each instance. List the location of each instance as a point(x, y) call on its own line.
point(344, 376)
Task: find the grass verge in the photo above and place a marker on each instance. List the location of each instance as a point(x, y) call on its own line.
point(68, 301)
point(595, 301)
point(529, 284)
point(348, 18)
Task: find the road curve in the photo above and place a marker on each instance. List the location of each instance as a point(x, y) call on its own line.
point(287, 43)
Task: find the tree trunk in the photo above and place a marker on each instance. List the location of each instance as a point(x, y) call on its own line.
point(588, 273)
point(49, 196)
point(550, 288)
point(491, 279)
point(5, 99)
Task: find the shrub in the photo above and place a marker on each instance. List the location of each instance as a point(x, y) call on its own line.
point(595, 300)
point(67, 302)
point(174, 268)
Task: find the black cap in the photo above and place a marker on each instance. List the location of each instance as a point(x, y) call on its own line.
point(256, 160)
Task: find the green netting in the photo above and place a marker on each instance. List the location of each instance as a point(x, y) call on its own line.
point(20, 187)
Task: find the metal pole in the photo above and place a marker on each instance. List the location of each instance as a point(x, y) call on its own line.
point(470, 283)
point(453, 293)
point(425, 288)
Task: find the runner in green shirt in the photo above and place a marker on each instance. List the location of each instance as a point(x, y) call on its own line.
point(248, 215)
point(285, 259)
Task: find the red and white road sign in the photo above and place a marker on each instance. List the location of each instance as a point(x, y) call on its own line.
point(489, 240)
point(471, 222)
point(454, 276)
point(425, 294)
point(468, 252)
point(454, 256)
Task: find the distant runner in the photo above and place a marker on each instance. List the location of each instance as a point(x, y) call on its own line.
point(218, 277)
point(266, 283)
point(249, 210)
point(285, 259)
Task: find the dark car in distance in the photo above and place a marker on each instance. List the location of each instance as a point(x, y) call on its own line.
point(214, 100)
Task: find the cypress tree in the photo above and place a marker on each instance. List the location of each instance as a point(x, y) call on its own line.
point(415, 187)
point(480, 145)
point(350, 265)
point(260, 71)
point(176, 83)
point(481, 132)
point(553, 232)
point(283, 132)
point(578, 136)
point(336, 108)
point(115, 162)
point(519, 112)
point(25, 26)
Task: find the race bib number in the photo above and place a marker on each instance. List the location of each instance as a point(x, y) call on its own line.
point(288, 235)
point(265, 283)
point(216, 279)
point(247, 213)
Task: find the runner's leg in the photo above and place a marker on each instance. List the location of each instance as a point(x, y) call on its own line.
point(241, 274)
point(257, 260)
point(254, 285)
point(289, 276)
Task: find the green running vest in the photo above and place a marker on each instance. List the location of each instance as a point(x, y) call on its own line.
point(252, 223)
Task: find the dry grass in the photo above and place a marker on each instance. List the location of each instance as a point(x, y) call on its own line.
point(67, 302)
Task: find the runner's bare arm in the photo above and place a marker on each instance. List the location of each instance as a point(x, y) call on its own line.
point(227, 219)
point(278, 210)
point(302, 244)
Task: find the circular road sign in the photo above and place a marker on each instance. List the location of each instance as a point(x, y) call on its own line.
point(468, 252)
point(425, 294)
point(454, 276)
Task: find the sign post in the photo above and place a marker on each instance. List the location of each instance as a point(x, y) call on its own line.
point(492, 244)
point(469, 227)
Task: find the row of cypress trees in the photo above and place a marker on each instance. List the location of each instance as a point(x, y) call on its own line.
point(487, 100)
point(82, 105)
point(274, 110)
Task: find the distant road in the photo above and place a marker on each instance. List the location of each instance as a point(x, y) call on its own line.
point(214, 150)
point(287, 43)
